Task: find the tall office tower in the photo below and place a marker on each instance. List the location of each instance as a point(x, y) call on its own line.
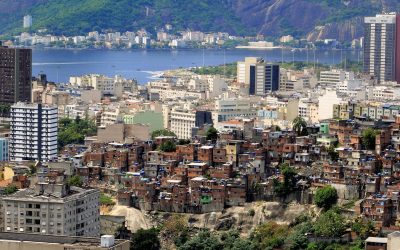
point(52, 208)
point(260, 77)
point(27, 21)
point(33, 132)
point(381, 52)
point(15, 75)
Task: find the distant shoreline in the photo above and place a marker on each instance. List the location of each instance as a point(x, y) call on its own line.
point(260, 47)
point(187, 49)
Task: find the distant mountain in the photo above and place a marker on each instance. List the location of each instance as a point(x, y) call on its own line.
point(315, 19)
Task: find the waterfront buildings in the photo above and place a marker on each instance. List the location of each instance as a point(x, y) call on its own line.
point(107, 85)
point(260, 77)
point(33, 132)
point(381, 50)
point(15, 75)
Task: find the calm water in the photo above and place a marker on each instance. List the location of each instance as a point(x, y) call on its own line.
point(141, 65)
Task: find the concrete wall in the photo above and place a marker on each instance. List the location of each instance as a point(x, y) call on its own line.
point(121, 132)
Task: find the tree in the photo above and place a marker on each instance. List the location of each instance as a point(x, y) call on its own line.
point(269, 235)
point(333, 154)
point(75, 180)
point(368, 138)
point(330, 224)
point(300, 126)
point(176, 228)
point(297, 238)
point(231, 241)
point(183, 142)
point(203, 240)
point(326, 197)
point(145, 239)
point(162, 132)
point(289, 181)
point(10, 189)
point(5, 110)
point(106, 200)
point(168, 146)
point(212, 134)
point(362, 228)
point(74, 131)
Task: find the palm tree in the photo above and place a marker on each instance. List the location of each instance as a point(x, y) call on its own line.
point(300, 126)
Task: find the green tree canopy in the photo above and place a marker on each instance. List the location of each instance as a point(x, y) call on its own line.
point(75, 180)
point(326, 197)
point(74, 131)
point(212, 134)
point(289, 181)
point(231, 240)
point(5, 110)
point(10, 189)
point(183, 142)
point(168, 146)
point(145, 239)
point(106, 200)
point(297, 239)
point(269, 235)
point(203, 240)
point(363, 228)
point(333, 154)
point(300, 126)
point(330, 224)
point(368, 138)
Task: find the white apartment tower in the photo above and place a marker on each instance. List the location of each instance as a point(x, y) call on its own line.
point(27, 21)
point(33, 132)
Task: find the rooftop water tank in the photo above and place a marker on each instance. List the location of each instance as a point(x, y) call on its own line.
point(107, 241)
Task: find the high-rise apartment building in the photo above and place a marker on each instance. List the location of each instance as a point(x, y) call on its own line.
point(381, 52)
point(15, 75)
point(52, 208)
point(27, 21)
point(260, 77)
point(33, 132)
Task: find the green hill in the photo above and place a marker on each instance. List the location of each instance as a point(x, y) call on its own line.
point(340, 19)
point(81, 16)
